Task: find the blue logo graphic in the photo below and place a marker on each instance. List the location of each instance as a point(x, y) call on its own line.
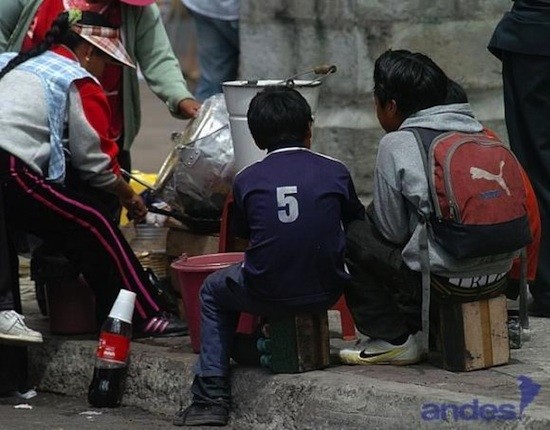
point(476, 410)
point(528, 391)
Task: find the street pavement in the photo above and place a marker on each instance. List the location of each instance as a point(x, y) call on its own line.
point(49, 411)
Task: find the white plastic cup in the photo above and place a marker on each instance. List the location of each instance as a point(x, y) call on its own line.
point(123, 309)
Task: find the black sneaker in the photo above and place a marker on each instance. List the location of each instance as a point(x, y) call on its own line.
point(202, 415)
point(163, 324)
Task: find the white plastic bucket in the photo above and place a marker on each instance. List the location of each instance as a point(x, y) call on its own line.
point(238, 95)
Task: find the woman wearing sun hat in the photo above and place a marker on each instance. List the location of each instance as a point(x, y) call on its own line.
point(67, 125)
point(23, 24)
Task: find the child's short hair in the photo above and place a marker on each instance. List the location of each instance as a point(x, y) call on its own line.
point(277, 114)
point(412, 79)
point(455, 93)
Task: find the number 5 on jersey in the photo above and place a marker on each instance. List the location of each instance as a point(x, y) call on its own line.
point(287, 204)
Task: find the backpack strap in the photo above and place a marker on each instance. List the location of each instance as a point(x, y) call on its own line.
point(426, 281)
point(424, 138)
point(523, 314)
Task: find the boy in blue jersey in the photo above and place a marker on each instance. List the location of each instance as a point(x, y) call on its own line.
point(293, 206)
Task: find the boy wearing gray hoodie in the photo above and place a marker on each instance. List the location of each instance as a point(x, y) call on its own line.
point(383, 251)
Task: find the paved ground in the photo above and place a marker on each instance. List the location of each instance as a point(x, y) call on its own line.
point(56, 412)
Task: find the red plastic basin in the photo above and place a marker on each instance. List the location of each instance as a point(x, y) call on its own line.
point(190, 274)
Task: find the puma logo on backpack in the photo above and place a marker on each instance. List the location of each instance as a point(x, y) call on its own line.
point(477, 193)
point(478, 173)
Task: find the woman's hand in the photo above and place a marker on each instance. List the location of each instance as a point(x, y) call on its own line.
point(136, 208)
point(130, 200)
point(189, 108)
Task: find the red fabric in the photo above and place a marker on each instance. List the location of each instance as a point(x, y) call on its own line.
point(96, 109)
point(45, 16)
point(534, 226)
point(112, 77)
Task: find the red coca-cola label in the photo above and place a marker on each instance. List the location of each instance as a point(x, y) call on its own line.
point(113, 347)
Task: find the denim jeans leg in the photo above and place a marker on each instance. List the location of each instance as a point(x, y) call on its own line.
point(223, 296)
point(218, 53)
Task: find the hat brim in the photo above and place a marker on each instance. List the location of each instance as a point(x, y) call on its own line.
point(113, 48)
point(138, 2)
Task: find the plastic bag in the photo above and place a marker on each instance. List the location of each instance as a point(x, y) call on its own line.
point(198, 174)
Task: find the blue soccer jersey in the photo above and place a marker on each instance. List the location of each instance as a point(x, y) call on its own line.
point(293, 206)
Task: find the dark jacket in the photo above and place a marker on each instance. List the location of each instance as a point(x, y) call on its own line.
point(524, 30)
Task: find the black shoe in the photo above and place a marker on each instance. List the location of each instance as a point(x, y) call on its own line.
point(161, 325)
point(536, 310)
point(202, 415)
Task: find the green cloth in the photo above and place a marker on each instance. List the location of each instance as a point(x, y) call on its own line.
point(145, 40)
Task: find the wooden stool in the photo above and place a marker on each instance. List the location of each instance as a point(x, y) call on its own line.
point(470, 336)
point(296, 344)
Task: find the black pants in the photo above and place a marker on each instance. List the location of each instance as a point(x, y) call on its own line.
point(526, 80)
point(13, 359)
point(9, 271)
point(82, 232)
point(384, 295)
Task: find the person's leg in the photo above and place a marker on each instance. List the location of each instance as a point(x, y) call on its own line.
point(383, 297)
point(7, 277)
point(88, 238)
point(224, 296)
point(218, 52)
point(526, 84)
point(12, 327)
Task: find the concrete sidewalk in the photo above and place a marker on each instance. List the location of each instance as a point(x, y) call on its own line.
point(340, 397)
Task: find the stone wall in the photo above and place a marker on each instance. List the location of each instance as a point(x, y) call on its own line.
point(283, 37)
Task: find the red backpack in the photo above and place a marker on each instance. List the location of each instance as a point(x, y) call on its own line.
point(477, 192)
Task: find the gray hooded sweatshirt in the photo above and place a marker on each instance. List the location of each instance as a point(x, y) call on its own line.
point(401, 186)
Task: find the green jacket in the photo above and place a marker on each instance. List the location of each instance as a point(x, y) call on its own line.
point(145, 40)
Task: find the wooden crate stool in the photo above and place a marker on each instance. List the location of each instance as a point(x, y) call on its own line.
point(470, 336)
point(296, 344)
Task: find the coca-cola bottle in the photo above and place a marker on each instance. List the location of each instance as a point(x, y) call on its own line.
point(112, 353)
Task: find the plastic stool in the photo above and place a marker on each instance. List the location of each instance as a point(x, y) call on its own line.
point(227, 243)
point(348, 325)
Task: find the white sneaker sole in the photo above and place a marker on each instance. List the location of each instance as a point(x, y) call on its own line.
point(19, 339)
point(388, 358)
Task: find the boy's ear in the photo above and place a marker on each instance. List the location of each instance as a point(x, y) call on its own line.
point(391, 107)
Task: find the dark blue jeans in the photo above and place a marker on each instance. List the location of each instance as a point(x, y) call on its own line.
point(223, 297)
point(218, 52)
